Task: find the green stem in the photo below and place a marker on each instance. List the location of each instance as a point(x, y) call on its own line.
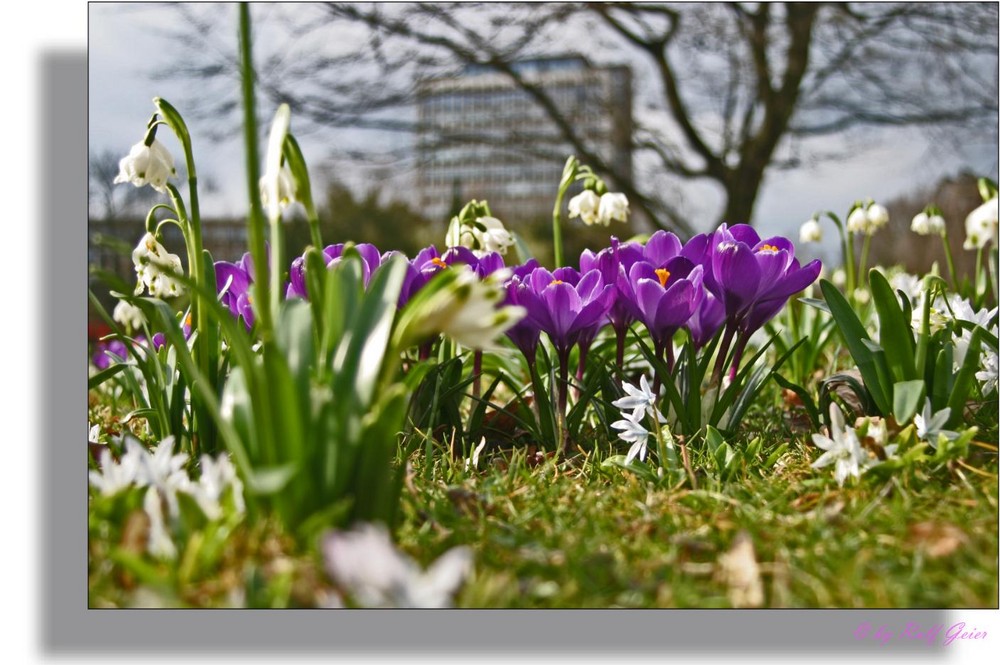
point(951, 261)
point(255, 222)
point(865, 246)
point(557, 249)
point(277, 251)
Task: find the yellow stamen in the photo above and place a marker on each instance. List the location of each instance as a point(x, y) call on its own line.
point(439, 263)
point(187, 320)
point(768, 248)
point(664, 275)
point(555, 281)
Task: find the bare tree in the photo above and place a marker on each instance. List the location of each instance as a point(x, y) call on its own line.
point(730, 92)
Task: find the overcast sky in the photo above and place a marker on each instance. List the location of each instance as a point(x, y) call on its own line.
point(127, 44)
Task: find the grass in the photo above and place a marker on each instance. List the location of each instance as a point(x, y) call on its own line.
point(571, 533)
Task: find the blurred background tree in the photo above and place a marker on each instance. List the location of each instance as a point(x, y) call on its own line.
point(728, 94)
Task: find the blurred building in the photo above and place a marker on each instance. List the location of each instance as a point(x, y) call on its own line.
point(481, 136)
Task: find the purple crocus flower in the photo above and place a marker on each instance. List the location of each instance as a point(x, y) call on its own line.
point(159, 339)
point(232, 281)
point(614, 263)
point(524, 333)
point(706, 320)
point(667, 297)
point(568, 306)
point(102, 349)
point(753, 278)
point(371, 259)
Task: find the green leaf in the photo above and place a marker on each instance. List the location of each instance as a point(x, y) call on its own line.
point(965, 379)
point(854, 335)
point(907, 396)
point(104, 375)
point(641, 470)
point(803, 394)
point(360, 354)
point(900, 351)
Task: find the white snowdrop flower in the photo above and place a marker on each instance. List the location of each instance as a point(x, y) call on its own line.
point(857, 221)
point(811, 231)
point(921, 224)
point(585, 205)
point(878, 216)
point(613, 207)
point(936, 224)
point(128, 315)
point(147, 165)
point(981, 226)
point(155, 267)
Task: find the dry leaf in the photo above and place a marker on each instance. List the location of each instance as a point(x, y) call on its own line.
point(738, 570)
point(937, 539)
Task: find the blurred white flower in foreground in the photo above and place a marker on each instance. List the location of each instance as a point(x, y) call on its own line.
point(842, 447)
point(147, 164)
point(366, 565)
point(128, 315)
point(981, 226)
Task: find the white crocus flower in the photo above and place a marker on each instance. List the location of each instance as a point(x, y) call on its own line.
point(842, 447)
point(152, 165)
point(811, 231)
point(613, 207)
point(988, 375)
point(366, 565)
point(634, 433)
point(128, 315)
point(586, 206)
point(981, 226)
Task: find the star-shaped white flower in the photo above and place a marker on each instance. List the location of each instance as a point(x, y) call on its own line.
point(843, 449)
point(634, 433)
point(638, 399)
point(930, 425)
point(367, 566)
